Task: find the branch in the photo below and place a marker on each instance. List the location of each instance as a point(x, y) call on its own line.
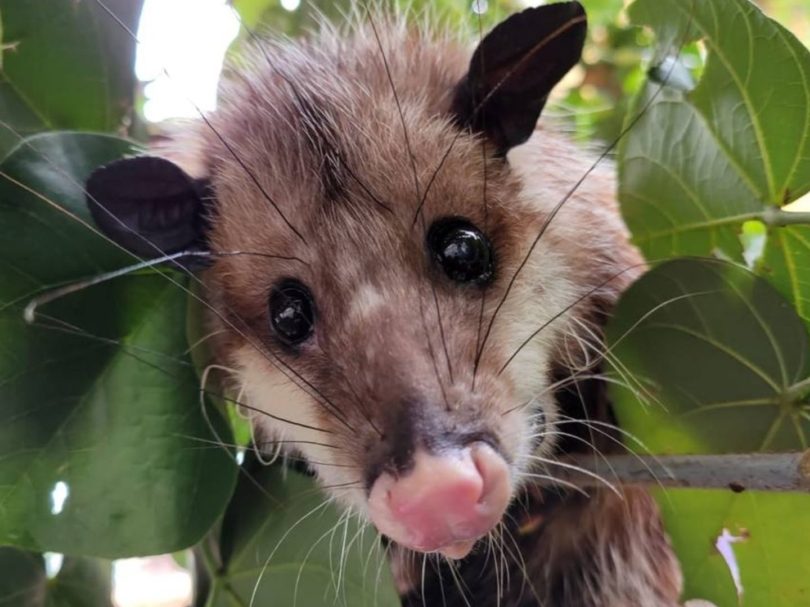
point(773, 216)
point(738, 472)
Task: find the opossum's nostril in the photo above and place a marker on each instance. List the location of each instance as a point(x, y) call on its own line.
point(445, 502)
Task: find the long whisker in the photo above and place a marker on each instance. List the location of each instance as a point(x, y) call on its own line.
point(554, 481)
point(129, 350)
point(260, 577)
point(30, 310)
point(484, 167)
point(556, 209)
point(519, 65)
point(251, 175)
point(393, 87)
point(412, 159)
point(562, 312)
point(304, 108)
point(432, 354)
point(592, 425)
point(255, 446)
point(281, 365)
point(459, 582)
point(579, 469)
point(334, 410)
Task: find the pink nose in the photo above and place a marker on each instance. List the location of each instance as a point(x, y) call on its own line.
point(445, 503)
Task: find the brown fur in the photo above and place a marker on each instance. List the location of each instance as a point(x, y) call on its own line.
point(318, 126)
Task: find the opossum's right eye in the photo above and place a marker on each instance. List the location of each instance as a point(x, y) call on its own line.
point(292, 311)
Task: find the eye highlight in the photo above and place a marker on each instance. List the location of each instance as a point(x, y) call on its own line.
point(461, 250)
point(292, 311)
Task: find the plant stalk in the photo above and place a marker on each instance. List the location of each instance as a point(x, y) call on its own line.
point(781, 472)
point(773, 216)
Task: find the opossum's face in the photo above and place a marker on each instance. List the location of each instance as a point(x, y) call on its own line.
point(380, 283)
point(374, 355)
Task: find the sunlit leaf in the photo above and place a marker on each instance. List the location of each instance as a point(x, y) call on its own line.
point(787, 265)
point(701, 163)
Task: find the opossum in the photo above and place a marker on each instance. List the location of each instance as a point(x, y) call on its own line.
point(423, 322)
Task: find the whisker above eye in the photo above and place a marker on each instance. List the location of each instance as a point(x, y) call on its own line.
point(579, 182)
point(228, 146)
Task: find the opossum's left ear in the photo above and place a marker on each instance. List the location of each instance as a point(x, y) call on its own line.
point(148, 205)
point(514, 69)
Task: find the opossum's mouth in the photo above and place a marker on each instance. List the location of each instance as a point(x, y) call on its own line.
point(446, 502)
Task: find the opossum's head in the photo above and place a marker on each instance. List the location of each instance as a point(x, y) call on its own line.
point(372, 277)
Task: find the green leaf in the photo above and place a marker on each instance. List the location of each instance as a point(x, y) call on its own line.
point(704, 320)
point(65, 64)
point(765, 136)
point(22, 578)
point(699, 164)
point(717, 361)
point(251, 12)
point(282, 539)
point(100, 450)
point(80, 582)
point(787, 266)
point(772, 561)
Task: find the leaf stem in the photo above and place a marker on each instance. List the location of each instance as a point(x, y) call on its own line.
point(798, 389)
point(781, 472)
point(774, 216)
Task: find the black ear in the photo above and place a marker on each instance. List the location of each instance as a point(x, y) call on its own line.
point(514, 69)
point(148, 205)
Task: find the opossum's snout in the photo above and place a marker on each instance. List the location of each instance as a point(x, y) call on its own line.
point(445, 502)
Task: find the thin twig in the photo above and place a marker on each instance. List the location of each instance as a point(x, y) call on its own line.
point(782, 472)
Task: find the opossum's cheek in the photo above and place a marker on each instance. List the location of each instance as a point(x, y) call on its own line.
point(445, 502)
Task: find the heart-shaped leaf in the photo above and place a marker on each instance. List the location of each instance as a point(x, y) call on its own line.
point(717, 361)
point(100, 450)
point(700, 163)
point(719, 356)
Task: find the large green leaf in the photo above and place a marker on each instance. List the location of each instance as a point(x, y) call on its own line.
point(65, 64)
point(80, 582)
point(729, 352)
point(721, 364)
point(99, 445)
point(700, 163)
point(283, 543)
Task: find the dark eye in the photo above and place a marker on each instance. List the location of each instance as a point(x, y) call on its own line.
point(461, 249)
point(292, 314)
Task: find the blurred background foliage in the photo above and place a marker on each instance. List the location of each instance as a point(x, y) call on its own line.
point(594, 98)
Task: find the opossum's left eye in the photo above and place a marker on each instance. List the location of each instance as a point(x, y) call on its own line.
point(292, 311)
point(461, 249)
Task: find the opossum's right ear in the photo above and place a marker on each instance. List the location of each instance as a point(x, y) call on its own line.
point(514, 69)
point(149, 206)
